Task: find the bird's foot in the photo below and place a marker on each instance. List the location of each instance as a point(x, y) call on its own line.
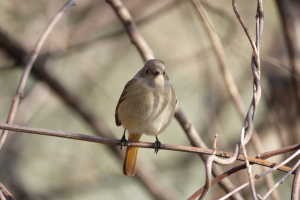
point(157, 145)
point(123, 141)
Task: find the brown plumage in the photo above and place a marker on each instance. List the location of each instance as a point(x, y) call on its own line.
point(146, 106)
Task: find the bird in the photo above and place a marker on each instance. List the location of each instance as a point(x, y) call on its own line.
point(146, 106)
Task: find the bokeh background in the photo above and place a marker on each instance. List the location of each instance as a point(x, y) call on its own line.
point(90, 55)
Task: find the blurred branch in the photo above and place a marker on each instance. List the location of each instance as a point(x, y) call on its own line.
point(196, 141)
point(6, 67)
point(269, 154)
point(131, 29)
point(228, 79)
point(219, 50)
point(292, 39)
point(2, 197)
point(296, 185)
point(33, 56)
point(276, 167)
point(5, 194)
point(153, 181)
point(219, 178)
point(146, 54)
point(243, 166)
point(282, 180)
point(155, 14)
point(114, 142)
point(247, 127)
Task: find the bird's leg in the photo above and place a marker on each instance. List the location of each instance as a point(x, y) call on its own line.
point(123, 140)
point(157, 144)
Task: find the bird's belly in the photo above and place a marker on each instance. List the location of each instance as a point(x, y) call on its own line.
point(149, 112)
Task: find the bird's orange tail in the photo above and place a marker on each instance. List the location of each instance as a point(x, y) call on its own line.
point(129, 165)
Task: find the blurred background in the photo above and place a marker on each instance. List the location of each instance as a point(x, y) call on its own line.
point(88, 58)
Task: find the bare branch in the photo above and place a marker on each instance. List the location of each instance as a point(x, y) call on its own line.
point(247, 128)
point(33, 56)
point(217, 179)
point(196, 141)
point(282, 180)
point(219, 50)
point(292, 39)
point(243, 166)
point(131, 29)
point(5, 193)
point(296, 185)
point(276, 152)
point(114, 142)
point(281, 164)
point(2, 197)
point(259, 176)
point(234, 191)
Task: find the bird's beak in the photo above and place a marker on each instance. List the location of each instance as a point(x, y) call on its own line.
point(156, 73)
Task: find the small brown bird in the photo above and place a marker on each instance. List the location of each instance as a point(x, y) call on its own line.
point(146, 106)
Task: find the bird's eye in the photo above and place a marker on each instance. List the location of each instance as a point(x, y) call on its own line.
point(164, 73)
point(147, 71)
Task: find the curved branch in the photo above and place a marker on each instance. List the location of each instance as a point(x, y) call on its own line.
point(33, 56)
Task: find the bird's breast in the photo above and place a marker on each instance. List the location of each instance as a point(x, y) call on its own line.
point(147, 109)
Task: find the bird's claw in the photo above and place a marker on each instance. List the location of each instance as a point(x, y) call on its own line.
point(157, 145)
point(122, 142)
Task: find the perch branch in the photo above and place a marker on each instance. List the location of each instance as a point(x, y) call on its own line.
point(33, 56)
point(114, 142)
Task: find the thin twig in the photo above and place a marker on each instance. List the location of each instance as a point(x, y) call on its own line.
point(231, 86)
point(208, 165)
point(5, 193)
point(196, 141)
point(248, 166)
point(114, 142)
point(219, 50)
point(281, 164)
point(282, 180)
point(2, 197)
point(33, 56)
point(259, 176)
point(247, 128)
point(234, 191)
point(276, 152)
point(296, 185)
point(243, 166)
point(217, 179)
point(228, 79)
